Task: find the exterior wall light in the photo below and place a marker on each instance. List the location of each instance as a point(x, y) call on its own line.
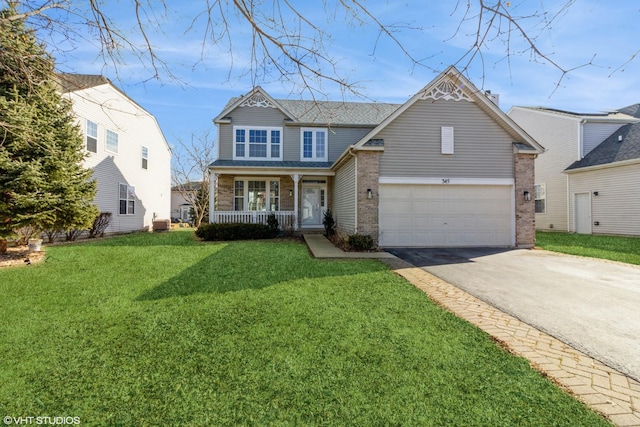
point(369, 193)
point(527, 196)
point(290, 193)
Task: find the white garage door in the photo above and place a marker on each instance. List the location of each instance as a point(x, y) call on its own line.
point(445, 215)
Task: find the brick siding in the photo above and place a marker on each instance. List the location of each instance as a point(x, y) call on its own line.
point(525, 210)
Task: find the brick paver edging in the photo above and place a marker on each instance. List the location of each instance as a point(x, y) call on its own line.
point(606, 390)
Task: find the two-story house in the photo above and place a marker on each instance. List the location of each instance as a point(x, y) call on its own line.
point(129, 156)
point(584, 179)
point(446, 168)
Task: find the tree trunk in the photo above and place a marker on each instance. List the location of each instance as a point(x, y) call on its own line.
point(3, 246)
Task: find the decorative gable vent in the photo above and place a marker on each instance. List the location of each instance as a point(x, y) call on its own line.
point(258, 100)
point(448, 91)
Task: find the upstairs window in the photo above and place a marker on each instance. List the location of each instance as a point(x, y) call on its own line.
point(92, 136)
point(313, 144)
point(256, 143)
point(145, 157)
point(127, 196)
point(112, 141)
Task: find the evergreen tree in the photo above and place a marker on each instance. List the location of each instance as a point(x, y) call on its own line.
point(42, 181)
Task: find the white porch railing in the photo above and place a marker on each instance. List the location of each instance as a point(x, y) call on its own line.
point(286, 219)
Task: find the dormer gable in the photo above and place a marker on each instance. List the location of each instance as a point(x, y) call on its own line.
point(256, 98)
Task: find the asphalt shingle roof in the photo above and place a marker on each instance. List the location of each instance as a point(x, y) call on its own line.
point(631, 110)
point(74, 82)
point(611, 150)
point(335, 112)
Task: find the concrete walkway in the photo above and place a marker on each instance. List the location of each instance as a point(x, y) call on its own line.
point(606, 390)
point(321, 247)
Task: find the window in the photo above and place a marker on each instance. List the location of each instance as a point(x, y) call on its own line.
point(238, 204)
point(127, 199)
point(252, 195)
point(253, 143)
point(145, 157)
point(446, 135)
point(313, 144)
point(112, 141)
point(92, 136)
point(540, 195)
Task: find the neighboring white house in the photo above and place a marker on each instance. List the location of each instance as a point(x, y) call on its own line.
point(181, 206)
point(129, 156)
point(566, 197)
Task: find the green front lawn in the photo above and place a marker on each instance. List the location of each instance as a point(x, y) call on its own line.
point(614, 248)
point(158, 329)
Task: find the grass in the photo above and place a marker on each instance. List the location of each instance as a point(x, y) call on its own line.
point(159, 329)
point(614, 248)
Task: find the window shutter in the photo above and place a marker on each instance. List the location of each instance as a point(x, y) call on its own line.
point(447, 140)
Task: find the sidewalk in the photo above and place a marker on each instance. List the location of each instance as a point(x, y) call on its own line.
point(321, 247)
point(604, 389)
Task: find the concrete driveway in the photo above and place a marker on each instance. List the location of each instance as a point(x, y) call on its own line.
point(589, 304)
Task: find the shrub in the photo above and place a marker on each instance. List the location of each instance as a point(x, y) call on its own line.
point(100, 224)
point(235, 231)
point(329, 223)
point(73, 234)
point(51, 234)
point(273, 225)
point(360, 242)
point(24, 234)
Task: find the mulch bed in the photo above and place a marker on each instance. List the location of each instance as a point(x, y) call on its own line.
point(20, 256)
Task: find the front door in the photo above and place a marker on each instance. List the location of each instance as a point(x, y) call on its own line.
point(313, 205)
point(582, 213)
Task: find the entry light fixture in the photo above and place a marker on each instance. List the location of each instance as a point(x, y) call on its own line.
point(369, 193)
point(527, 195)
point(290, 193)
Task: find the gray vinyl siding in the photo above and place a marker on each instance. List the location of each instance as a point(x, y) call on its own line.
point(617, 205)
point(594, 133)
point(412, 143)
point(560, 136)
point(339, 138)
point(344, 197)
point(250, 116)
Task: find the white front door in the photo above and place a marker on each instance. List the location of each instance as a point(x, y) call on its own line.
point(582, 213)
point(313, 205)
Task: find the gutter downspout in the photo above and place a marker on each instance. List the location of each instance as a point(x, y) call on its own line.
point(355, 183)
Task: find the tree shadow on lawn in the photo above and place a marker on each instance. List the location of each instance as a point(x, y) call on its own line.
point(234, 268)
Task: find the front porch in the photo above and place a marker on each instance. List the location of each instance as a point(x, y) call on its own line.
point(286, 219)
point(298, 201)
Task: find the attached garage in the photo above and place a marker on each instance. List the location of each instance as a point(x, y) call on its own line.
point(430, 215)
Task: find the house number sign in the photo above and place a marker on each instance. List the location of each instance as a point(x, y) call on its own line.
point(446, 181)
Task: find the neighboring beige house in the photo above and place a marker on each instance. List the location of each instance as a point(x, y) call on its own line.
point(586, 181)
point(129, 156)
point(181, 207)
point(446, 168)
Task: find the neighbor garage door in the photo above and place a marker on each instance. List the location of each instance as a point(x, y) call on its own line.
point(445, 215)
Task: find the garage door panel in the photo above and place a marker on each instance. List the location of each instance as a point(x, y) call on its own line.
point(443, 215)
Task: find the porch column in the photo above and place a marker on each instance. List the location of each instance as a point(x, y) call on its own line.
point(213, 179)
point(296, 179)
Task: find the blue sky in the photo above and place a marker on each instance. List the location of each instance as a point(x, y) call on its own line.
point(601, 33)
